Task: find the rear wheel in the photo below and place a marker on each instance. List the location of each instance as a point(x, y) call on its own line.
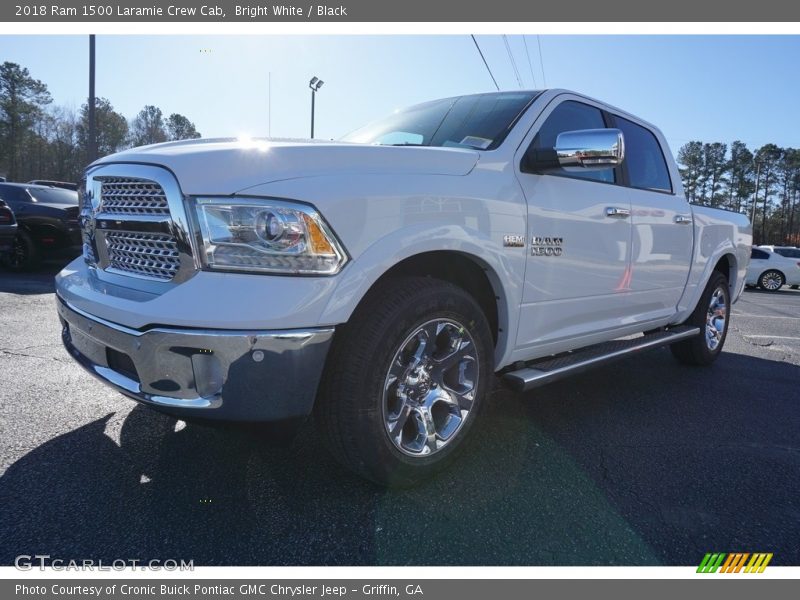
point(24, 255)
point(405, 381)
point(711, 316)
point(771, 280)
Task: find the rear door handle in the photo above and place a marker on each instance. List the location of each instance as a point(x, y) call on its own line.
point(682, 219)
point(616, 212)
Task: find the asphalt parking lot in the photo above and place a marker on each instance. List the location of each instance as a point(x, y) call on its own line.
point(643, 462)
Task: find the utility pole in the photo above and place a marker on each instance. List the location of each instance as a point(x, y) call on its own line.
point(269, 105)
point(92, 116)
point(755, 198)
point(314, 84)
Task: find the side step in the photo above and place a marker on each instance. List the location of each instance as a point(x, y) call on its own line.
point(547, 370)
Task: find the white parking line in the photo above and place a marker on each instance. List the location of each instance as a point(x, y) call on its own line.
point(736, 314)
point(771, 337)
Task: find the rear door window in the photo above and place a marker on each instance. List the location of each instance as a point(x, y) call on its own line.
point(13, 194)
point(644, 159)
point(788, 252)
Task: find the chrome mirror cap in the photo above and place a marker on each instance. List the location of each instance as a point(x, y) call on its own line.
point(590, 149)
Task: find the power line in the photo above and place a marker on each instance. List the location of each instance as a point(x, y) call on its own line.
point(529, 60)
point(484, 62)
point(513, 62)
point(541, 60)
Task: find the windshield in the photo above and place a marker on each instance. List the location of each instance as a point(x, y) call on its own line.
point(481, 121)
point(54, 195)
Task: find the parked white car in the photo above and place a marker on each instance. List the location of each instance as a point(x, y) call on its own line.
point(770, 270)
point(787, 251)
point(379, 283)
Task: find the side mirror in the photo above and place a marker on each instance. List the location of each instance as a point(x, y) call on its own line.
point(590, 149)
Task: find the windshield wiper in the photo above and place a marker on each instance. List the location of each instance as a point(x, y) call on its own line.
point(403, 144)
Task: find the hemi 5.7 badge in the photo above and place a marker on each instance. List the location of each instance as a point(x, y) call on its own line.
point(514, 241)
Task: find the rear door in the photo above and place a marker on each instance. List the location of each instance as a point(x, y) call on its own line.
point(662, 225)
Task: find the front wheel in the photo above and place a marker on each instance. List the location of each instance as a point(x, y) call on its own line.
point(711, 315)
point(406, 380)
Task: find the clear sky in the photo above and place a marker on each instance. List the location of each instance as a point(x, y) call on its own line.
point(712, 88)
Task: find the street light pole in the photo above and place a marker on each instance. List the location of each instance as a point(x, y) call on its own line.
point(314, 84)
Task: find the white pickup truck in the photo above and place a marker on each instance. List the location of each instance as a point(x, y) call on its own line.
point(379, 283)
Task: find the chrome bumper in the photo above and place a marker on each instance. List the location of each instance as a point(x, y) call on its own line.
point(227, 375)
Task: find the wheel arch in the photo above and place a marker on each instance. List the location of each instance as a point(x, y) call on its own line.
point(468, 271)
point(728, 266)
point(725, 262)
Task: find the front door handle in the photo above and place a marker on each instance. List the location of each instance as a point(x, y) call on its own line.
point(616, 212)
point(682, 219)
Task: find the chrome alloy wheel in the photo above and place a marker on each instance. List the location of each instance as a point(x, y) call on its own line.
point(430, 387)
point(771, 280)
point(715, 318)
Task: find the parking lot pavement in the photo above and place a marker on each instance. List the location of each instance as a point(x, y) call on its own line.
point(640, 462)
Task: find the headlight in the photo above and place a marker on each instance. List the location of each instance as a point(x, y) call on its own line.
point(265, 235)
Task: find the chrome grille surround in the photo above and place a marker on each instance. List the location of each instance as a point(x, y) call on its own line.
point(153, 255)
point(135, 227)
point(132, 196)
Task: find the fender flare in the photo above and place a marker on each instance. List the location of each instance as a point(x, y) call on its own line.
point(361, 275)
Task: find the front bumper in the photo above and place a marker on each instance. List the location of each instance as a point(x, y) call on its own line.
point(202, 373)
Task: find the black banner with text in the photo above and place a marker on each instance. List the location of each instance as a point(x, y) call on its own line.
point(407, 11)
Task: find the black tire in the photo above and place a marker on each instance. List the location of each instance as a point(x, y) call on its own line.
point(698, 350)
point(24, 255)
point(356, 400)
point(771, 281)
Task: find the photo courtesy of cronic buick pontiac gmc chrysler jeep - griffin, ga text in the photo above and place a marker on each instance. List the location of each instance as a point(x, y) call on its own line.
point(378, 284)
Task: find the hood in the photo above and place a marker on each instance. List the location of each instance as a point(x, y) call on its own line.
point(67, 208)
point(227, 166)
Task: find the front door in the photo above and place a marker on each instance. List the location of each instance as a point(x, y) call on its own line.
point(579, 239)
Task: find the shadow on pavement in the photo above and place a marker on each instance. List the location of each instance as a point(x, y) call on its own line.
point(611, 468)
point(41, 281)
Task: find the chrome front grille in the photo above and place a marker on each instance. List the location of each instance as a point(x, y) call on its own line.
point(135, 226)
point(132, 196)
point(154, 255)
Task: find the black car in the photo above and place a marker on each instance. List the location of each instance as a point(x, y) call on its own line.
point(48, 224)
point(8, 229)
point(59, 184)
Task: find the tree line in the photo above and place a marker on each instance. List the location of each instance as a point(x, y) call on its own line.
point(763, 184)
point(40, 140)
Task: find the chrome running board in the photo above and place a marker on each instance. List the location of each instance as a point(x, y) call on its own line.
point(546, 370)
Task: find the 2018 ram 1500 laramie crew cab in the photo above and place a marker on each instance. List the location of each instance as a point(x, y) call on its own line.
point(380, 282)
